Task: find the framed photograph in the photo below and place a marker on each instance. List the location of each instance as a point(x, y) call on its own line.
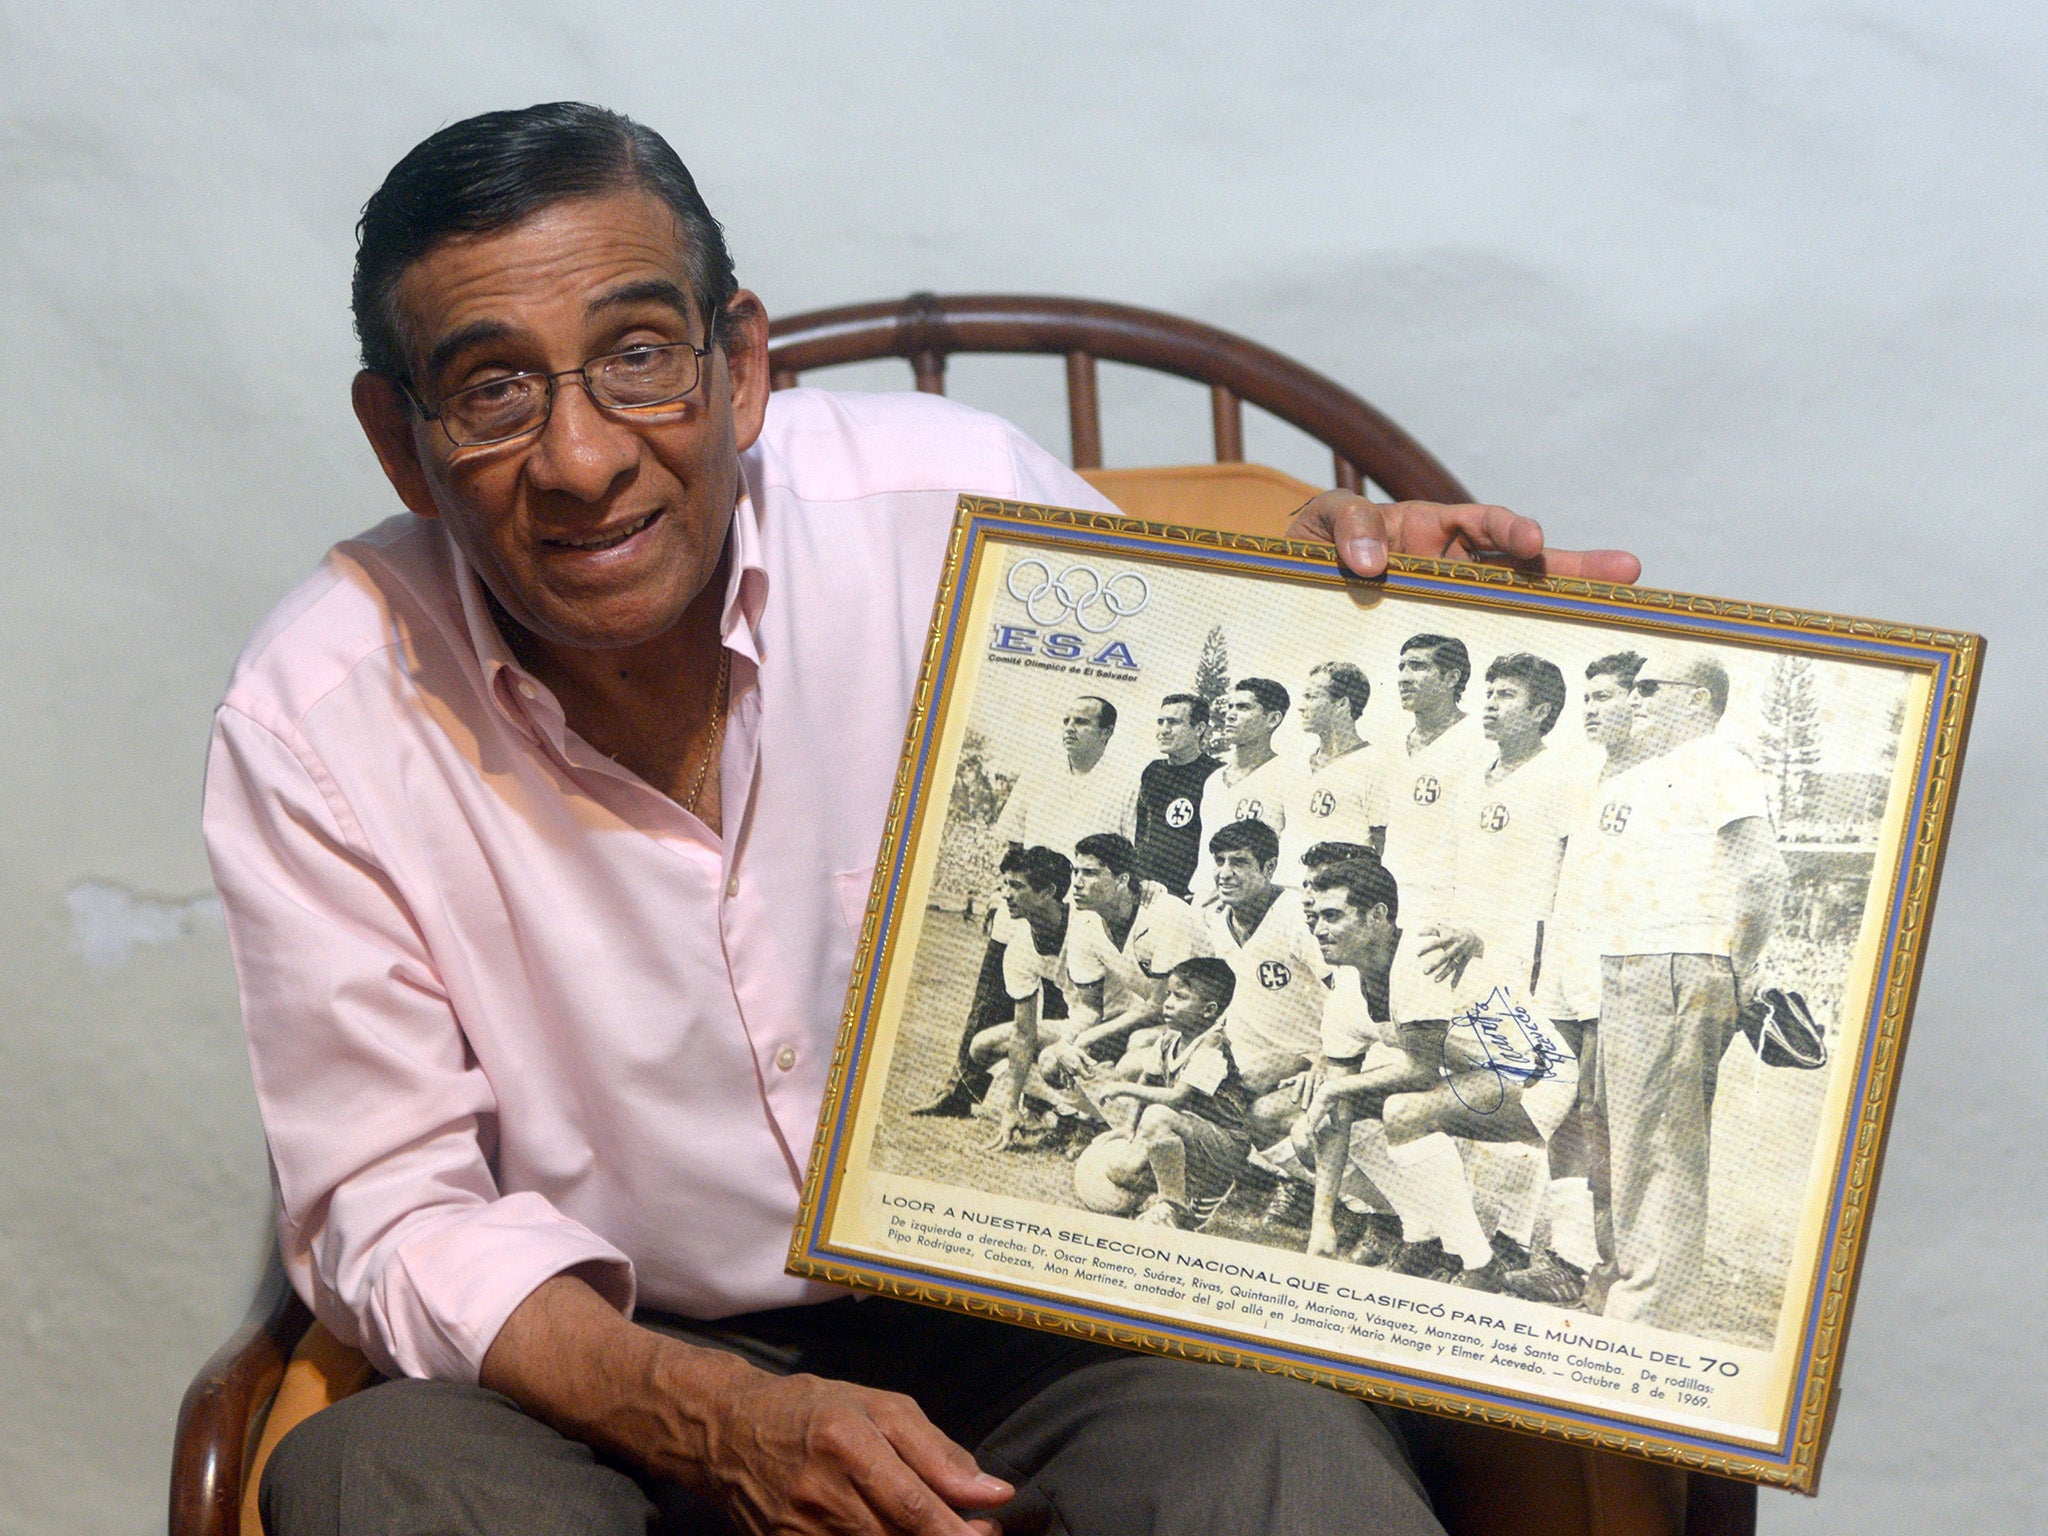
point(1474, 992)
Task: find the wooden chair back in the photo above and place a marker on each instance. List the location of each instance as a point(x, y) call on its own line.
point(928, 328)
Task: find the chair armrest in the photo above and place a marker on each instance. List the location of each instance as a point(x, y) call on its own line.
point(222, 1406)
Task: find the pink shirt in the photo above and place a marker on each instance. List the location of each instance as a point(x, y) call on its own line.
point(512, 1010)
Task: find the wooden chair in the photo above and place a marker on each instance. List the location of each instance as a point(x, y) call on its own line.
point(280, 1366)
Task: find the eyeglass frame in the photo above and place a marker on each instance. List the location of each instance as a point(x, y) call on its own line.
point(1647, 687)
point(438, 414)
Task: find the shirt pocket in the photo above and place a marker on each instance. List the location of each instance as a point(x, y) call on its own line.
point(851, 887)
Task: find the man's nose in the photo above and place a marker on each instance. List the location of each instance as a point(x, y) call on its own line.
point(581, 451)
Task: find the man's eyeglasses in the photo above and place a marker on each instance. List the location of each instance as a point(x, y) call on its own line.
point(498, 410)
point(1646, 687)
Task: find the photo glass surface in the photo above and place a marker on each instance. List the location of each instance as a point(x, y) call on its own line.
point(1472, 992)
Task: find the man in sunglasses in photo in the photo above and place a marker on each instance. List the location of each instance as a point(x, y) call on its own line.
point(1682, 862)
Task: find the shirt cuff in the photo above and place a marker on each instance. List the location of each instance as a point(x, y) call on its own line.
point(444, 1293)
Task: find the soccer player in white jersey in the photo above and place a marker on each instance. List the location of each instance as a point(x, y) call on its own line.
point(1478, 967)
point(1255, 783)
point(1275, 1019)
point(1031, 932)
point(1340, 794)
point(1047, 807)
point(1443, 748)
point(1687, 879)
point(1353, 907)
point(1121, 943)
point(1568, 992)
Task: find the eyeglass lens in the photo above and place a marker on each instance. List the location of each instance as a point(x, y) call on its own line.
point(510, 407)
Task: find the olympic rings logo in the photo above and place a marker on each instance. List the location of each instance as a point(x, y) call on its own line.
point(1077, 593)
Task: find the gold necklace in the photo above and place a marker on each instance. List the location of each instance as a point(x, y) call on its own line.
point(717, 729)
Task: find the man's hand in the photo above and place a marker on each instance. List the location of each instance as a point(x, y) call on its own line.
point(1365, 531)
point(1062, 1057)
point(1453, 949)
point(1004, 1138)
point(1317, 1109)
point(1308, 1087)
point(802, 1454)
point(790, 1455)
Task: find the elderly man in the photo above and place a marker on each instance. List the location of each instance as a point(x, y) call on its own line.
point(542, 816)
point(1685, 873)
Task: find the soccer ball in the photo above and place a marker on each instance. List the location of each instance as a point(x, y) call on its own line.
point(1092, 1183)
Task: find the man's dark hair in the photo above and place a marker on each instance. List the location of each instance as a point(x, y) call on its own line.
point(1365, 884)
point(1112, 850)
point(1446, 653)
point(1042, 869)
point(1542, 680)
point(1320, 854)
point(1105, 713)
point(1198, 707)
point(489, 173)
point(1209, 978)
point(1272, 697)
point(1252, 836)
point(1346, 682)
point(1622, 666)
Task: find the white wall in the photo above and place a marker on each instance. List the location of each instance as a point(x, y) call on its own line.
point(1754, 288)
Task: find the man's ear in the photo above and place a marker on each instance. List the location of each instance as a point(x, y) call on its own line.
point(744, 326)
point(386, 417)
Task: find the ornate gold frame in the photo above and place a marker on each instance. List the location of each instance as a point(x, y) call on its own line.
point(1951, 662)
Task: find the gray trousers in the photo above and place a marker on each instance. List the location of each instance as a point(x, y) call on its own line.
point(1097, 1442)
point(1665, 1021)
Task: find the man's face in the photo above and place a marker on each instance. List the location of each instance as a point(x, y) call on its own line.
point(597, 531)
point(1081, 731)
point(1245, 721)
point(1421, 683)
point(1184, 1009)
point(1344, 934)
point(1024, 900)
point(1095, 888)
point(1609, 711)
point(1663, 713)
point(1177, 734)
point(1240, 878)
point(1509, 713)
point(1321, 710)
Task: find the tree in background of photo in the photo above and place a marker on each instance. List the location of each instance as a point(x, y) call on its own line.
point(1212, 681)
point(970, 851)
point(1788, 746)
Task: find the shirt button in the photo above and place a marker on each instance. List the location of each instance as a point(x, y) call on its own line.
point(786, 1057)
point(732, 886)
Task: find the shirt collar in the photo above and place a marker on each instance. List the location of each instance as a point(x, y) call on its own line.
point(739, 622)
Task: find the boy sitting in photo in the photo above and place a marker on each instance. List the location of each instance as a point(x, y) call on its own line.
point(1193, 1133)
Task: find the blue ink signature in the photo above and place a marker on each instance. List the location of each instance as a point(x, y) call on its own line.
point(1515, 1054)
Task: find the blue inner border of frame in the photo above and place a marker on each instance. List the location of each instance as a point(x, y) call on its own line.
point(980, 527)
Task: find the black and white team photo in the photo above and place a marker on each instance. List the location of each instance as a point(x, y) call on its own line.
point(1503, 952)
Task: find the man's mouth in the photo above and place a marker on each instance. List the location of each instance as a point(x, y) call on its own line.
point(610, 538)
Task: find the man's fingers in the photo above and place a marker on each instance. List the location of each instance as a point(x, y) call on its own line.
point(863, 1483)
point(1365, 532)
point(939, 1462)
point(1615, 565)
